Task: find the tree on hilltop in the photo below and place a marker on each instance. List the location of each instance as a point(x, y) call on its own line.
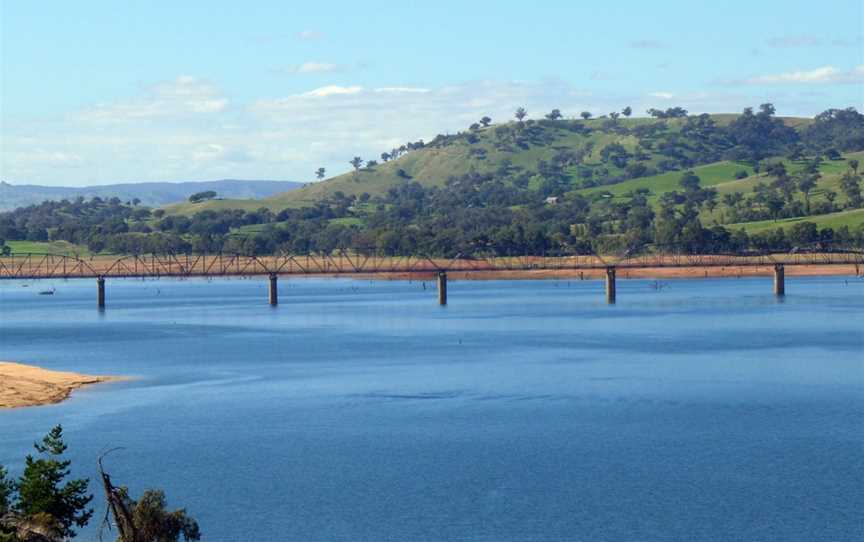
point(627, 111)
point(585, 115)
point(320, 173)
point(555, 114)
point(485, 121)
point(520, 114)
point(202, 196)
point(356, 163)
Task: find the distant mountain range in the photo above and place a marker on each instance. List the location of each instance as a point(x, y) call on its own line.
point(152, 194)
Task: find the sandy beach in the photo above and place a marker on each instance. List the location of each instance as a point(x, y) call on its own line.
point(25, 385)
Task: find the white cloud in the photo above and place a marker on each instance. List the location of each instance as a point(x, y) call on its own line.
point(185, 95)
point(662, 94)
point(332, 90)
point(822, 75)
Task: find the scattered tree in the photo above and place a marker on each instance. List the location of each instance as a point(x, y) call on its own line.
point(585, 115)
point(555, 114)
point(202, 196)
point(320, 173)
point(851, 186)
point(520, 114)
point(356, 163)
point(806, 184)
point(627, 111)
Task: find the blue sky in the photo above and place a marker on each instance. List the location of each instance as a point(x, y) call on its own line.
point(103, 91)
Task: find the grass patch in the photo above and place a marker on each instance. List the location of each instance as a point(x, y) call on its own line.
point(49, 247)
point(853, 219)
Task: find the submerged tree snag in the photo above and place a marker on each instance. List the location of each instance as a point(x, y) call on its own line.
point(145, 520)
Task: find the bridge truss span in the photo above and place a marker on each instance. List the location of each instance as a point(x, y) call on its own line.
point(52, 266)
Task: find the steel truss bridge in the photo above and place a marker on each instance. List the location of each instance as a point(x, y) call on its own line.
point(32, 266)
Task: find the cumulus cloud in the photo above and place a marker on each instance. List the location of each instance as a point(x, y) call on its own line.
point(818, 76)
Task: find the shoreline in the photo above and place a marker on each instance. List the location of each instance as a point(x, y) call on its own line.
point(28, 385)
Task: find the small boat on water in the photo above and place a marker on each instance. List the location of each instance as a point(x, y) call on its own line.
point(48, 292)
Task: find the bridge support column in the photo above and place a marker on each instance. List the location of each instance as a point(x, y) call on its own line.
point(442, 287)
point(779, 280)
point(610, 285)
point(100, 293)
point(274, 290)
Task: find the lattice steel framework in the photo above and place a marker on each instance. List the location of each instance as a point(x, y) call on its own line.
point(47, 266)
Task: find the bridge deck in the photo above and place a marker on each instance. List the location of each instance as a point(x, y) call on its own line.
point(45, 266)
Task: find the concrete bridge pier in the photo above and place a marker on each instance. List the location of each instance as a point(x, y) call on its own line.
point(610, 285)
point(100, 293)
point(274, 289)
point(442, 288)
point(779, 280)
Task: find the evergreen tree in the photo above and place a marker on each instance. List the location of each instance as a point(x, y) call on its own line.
point(7, 488)
point(41, 491)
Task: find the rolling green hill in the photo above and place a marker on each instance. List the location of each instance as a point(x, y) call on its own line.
point(493, 148)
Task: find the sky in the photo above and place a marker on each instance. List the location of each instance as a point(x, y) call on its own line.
point(97, 92)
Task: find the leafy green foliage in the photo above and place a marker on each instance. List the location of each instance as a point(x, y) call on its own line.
point(41, 489)
point(202, 196)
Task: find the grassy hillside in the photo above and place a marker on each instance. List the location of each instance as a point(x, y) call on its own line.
point(721, 176)
point(851, 219)
point(48, 247)
point(718, 173)
point(433, 165)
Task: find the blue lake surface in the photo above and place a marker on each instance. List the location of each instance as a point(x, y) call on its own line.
point(525, 410)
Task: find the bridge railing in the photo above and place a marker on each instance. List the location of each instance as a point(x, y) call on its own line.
point(40, 266)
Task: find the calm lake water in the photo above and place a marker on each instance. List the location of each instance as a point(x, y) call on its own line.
point(525, 410)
